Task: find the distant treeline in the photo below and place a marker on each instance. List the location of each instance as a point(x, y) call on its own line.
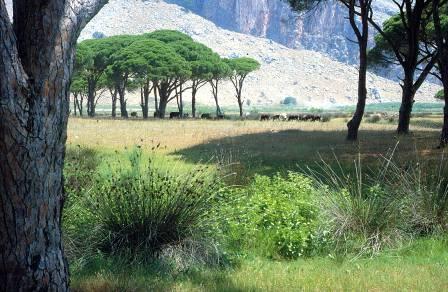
point(163, 64)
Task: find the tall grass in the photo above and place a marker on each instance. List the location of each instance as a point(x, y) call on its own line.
point(137, 209)
point(369, 210)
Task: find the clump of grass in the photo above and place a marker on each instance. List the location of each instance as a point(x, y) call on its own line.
point(368, 211)
point(136, 210)
point(361, 215)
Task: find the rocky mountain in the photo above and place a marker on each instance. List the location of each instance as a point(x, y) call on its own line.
point(323, 29)
point(313, 78)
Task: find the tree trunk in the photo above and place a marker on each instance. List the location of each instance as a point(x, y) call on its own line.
point(215, 84)
point(156, 102)
point(181, 102)
point(91, 96)
point(163, 100)
point(144, 102)
point(362, 35)
point(75, 107)
point(444, 74)
point(114, 94)
point(36, 63)
point(122, 98)
point(193, 99)
point(240, 105)
point(407, 102)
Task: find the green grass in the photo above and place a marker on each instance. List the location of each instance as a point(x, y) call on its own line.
point(248, 148)
point(422, 266)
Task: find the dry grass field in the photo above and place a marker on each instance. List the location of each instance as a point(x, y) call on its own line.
point(261, 147)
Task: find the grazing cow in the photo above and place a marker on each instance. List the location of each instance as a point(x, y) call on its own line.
point(293, 117)
point(174, 115)
point(316, 118)
point(206, 116)
point(134, 114)
point(265, 117)
point(276, 118)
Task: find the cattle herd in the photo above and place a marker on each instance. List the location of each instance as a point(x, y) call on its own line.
point(262, 117)
point(291, 117)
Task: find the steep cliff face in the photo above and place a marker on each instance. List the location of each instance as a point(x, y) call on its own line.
point(324, 29)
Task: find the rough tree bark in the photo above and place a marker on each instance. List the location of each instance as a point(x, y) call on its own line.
point(36, 63)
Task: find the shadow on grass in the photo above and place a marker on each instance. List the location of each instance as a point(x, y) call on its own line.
point(278, 151)
point(113, 274)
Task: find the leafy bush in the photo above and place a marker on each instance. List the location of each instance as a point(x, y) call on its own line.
point(289, 101)
point(373, 119)
point(140, 209)
point(440, 95)
point(275, 216)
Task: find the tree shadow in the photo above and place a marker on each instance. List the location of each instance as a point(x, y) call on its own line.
point(278, 151)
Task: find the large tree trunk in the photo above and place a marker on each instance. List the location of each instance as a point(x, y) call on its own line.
point(36, 62)
point(407, 102)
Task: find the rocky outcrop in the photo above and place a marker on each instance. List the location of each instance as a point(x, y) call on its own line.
point(323, 29)
point(314, 79)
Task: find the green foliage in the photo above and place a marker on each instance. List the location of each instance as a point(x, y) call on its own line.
point(151, 59)
point(242, 66)
point(276, 216)
point(138, 208)
point(440, 95)
point(168, 36)
point(289, 100)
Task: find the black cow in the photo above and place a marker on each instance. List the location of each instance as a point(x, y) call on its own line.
point(276, 118)
point(265, 117)
point(206, 116)
point(174, 115)
point(134, 114)
point(293, 117)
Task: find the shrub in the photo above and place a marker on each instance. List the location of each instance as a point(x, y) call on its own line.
point(289, 101)
point(361, 214)
point(367, 212)
point(440, 95)
point(373, 119)
point(274, 216)
point(140, 209)
point(425, 189)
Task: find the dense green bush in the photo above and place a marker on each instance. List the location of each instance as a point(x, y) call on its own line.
point(275, 216)
point(290, 101)
point(139, 208)
point(373, 119)
point(439, 95)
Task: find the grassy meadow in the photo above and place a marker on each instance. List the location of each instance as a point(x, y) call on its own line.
point(240, 151)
